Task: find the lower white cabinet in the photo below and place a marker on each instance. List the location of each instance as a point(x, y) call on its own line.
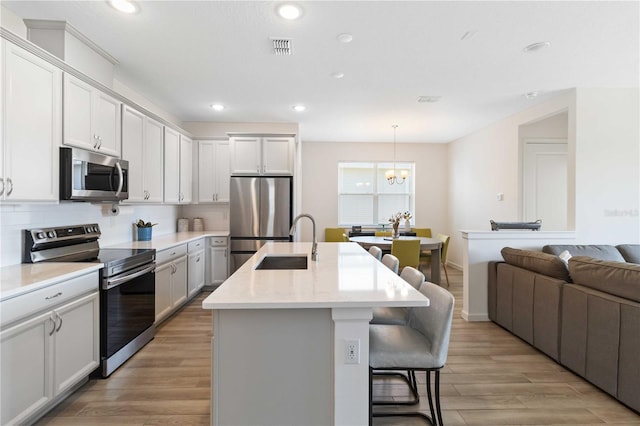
point(196, 267)
point(47, 353)
point(218, 260)
point(171, 281)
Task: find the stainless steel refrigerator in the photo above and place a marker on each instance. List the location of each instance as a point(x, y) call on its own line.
point(261, 210)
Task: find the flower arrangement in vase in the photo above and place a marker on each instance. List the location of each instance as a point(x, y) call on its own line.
point(394, 220)
point(407, 220)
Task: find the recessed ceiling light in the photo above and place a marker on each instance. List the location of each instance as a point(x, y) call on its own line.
point(345, 38)
point(299, 108)
point(531, 95)
point(124, 6)
point(337, 75)
point(289, 11)
point(534, 47)
point(217, 107)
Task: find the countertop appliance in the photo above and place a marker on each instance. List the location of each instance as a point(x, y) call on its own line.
point(261, 211)
point(90, 176)
point(127, 286)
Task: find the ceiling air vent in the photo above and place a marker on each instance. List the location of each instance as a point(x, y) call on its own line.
point(281, 46)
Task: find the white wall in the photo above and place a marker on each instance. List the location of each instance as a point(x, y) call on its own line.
point(320, 180)
point(115, 229)
point(607, 171)
point(604, 168)
point(485, 163)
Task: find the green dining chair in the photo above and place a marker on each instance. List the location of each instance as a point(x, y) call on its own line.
point(422, 232)
point(334, 235)
point(443, 254)
point(407, 251)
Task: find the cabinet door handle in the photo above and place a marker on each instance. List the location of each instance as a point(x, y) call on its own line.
point(225, 252)
point(53, 322)
point(10, 182)
point(59, 325)
point(2, 190)
point(54, 296)
point(95, 138)
point(198, 259)
point(99, 142)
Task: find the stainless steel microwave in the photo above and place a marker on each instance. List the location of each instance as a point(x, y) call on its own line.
point(91, 176)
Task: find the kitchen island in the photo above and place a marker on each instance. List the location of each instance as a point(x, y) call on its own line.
point(291, 346)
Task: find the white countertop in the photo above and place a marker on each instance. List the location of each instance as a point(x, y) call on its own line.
point(24, 278)
point(346, 276)
point(167, 241)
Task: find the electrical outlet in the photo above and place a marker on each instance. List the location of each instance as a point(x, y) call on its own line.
point(352, 352)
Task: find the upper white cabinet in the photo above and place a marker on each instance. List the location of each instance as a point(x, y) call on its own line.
point(31, 127)
point(91, 118)
point(262, 155)
point(178, 158)
point(142, 147)
point(213, 171)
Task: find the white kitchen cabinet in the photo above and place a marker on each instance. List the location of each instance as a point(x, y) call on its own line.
point(195, 267)
point(91, 118)
point(218, 270)
point(186, 169)
point(178, 158)
point(213, 171)
point(142, 147)
point(273, 155)
point(45, 352)
point(171, 281)
point(32, 127)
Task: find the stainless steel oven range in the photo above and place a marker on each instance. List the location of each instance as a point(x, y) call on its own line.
point(127, 286)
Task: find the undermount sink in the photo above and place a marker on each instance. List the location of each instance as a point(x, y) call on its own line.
point(293, 261)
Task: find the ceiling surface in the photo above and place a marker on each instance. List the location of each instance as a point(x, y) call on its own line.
point(186, 55)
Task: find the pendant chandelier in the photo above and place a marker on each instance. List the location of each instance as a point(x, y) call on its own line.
point(391, 175)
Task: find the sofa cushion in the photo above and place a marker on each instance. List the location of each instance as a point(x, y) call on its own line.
point(630, 252)
point(617, 278)
point(536, 261)
point(597, 251)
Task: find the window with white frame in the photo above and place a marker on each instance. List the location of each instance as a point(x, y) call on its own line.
point(366, 198)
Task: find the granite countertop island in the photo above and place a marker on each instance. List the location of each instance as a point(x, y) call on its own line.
point(280, 336)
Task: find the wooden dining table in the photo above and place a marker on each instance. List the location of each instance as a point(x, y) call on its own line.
point(432, 244)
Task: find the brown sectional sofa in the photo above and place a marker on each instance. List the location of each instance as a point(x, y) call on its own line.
point(585, 316)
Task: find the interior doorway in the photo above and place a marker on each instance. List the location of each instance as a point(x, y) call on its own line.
point(544, 176)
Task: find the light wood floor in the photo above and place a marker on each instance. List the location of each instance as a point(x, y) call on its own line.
point(491, 378)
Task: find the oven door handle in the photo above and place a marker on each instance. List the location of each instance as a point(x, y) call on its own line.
point(114, 282)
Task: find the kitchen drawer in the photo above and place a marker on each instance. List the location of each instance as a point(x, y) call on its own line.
point(170, 254)
point(196, 245)
point(46, 298)
point(218, 241)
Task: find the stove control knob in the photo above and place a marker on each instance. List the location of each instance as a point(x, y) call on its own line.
point(51, 234)
point(92, 229)
point(40, 235)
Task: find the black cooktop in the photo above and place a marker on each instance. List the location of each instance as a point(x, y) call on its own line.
point(110, 255)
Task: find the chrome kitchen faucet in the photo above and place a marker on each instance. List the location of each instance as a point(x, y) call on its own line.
point(314, 247)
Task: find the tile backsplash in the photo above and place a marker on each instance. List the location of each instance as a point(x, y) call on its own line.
point(116, 228)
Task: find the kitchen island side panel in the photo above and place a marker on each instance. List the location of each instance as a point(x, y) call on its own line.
point(272, 367)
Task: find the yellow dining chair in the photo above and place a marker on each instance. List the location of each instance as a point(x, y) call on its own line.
point(407, 251)
point(443, 254)
point(422, 232)
point(345, 238)
point(383, 233)
point(334, 235)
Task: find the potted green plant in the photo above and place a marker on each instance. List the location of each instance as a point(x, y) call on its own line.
point(144, 230)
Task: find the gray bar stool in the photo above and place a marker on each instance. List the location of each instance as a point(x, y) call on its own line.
point(399, 316)
point(376, 252)
point(391, 262)
point(421, 345)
